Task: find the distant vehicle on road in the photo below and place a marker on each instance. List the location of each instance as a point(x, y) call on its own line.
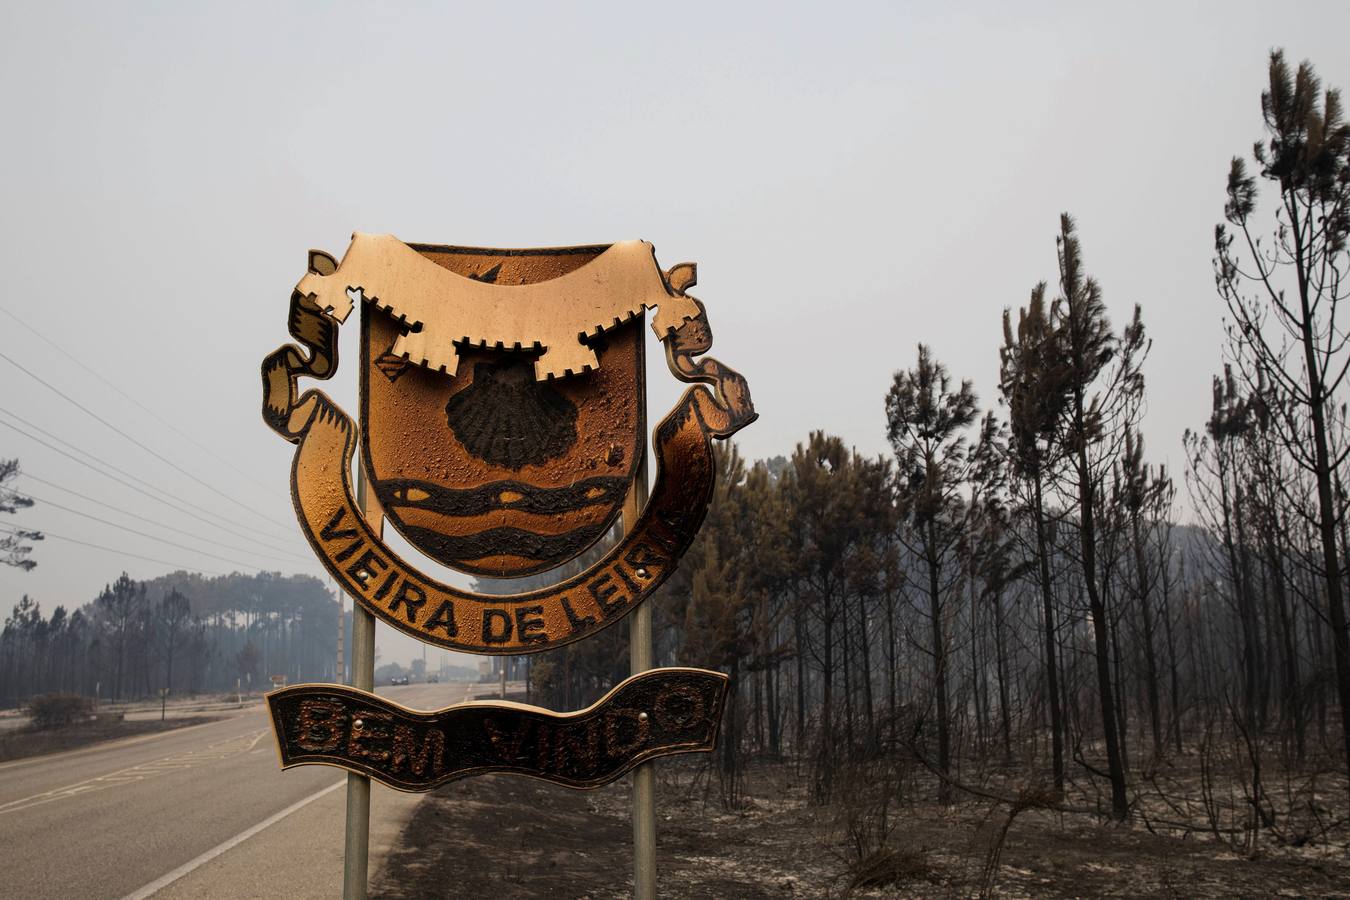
point(433, 679)
point(398, 679)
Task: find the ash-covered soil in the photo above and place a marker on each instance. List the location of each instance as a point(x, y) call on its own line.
point(500, 837)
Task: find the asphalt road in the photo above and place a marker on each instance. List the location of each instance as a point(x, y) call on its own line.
point(203, 811)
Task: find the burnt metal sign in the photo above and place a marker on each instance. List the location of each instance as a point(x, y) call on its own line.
point(510, 475)
point(501, 427)
point(657, 713)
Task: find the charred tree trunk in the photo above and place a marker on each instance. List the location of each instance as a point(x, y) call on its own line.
point(1326, 508)
point(939, 667)
point(865, 646)
point(1146, 623)
point(1101, 637)
point(1001, 663)
point(892, 659)
point(1051, 641)
point(775, 724)
point(1173, 675)
point(799, 638)
point(846, 666)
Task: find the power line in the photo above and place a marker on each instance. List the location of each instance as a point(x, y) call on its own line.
point(139, 480)
point(177, 504)
point(126, 512)
point(162, 562)
point(174, 505)
point(55, 505)
point(157, 455)
point(154, 415)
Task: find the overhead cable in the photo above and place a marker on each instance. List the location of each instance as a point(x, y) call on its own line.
point(54, 505)
point(156, 454)
point(163, 562)
point(132, 399)
point(25, 474)
point(177, 506)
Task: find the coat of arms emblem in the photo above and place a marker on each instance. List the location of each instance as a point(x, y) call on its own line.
point(509, 474)
point(501, 425)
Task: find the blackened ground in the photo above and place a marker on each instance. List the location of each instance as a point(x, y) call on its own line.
point(502, 837)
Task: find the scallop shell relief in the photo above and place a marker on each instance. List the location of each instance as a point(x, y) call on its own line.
point(508, 419)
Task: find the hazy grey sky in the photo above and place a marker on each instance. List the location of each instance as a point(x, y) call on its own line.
point(851, 179)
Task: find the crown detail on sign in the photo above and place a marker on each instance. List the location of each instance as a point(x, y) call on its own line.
point(439, 308)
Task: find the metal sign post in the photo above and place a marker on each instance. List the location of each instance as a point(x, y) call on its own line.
point(644, 776)
point(356, 854)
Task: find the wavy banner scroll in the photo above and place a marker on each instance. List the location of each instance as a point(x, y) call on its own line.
point(657, 713)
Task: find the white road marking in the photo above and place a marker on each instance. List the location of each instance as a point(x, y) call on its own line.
point(160, 883)
point(182, 760)
point(109, 745)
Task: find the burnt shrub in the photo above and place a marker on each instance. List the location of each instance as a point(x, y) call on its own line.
point(889, 866)
point(48, 711)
